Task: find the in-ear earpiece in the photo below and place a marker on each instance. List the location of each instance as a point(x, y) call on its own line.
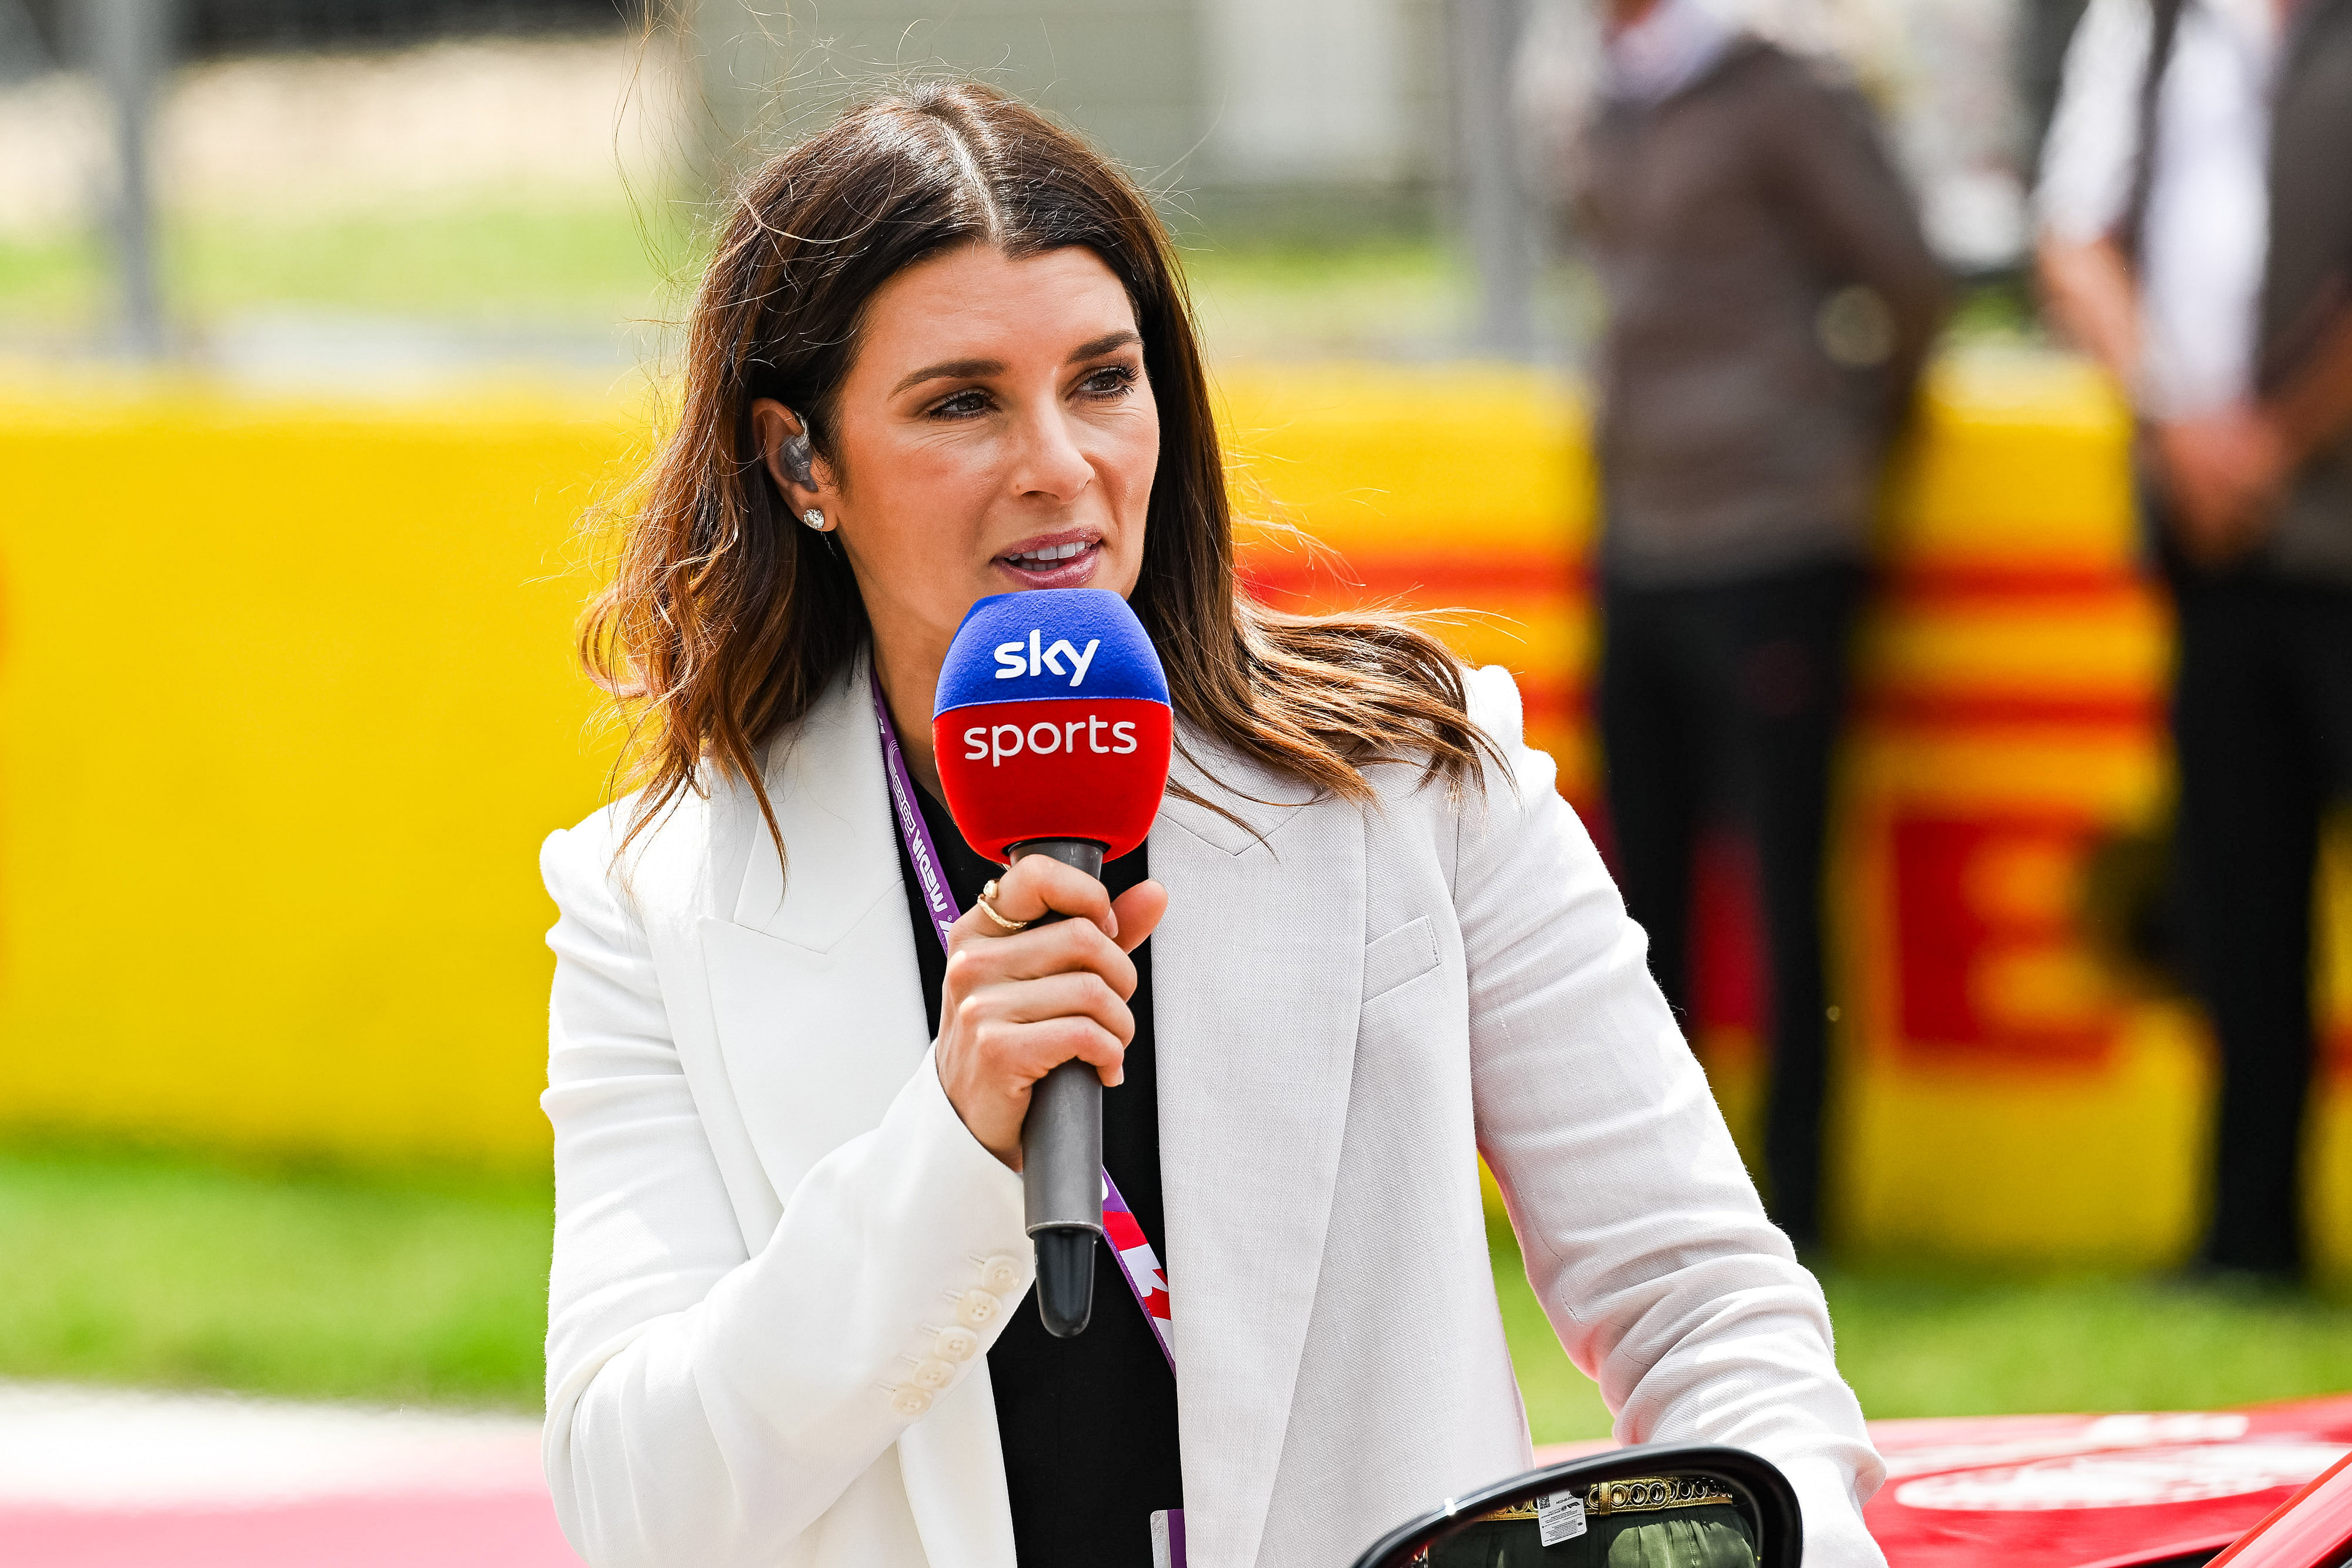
point(798, 457)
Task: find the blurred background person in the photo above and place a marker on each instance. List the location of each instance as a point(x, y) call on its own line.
point(1770, 301)
point(2196, 232)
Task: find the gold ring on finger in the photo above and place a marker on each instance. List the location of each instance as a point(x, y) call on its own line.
point(989, 909)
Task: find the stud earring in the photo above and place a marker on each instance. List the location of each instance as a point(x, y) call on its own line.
point(814, 519)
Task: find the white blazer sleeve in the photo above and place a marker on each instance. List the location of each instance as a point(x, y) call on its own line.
point(707, 1401)
point(1644, 1236)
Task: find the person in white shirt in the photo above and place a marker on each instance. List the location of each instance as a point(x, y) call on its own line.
point(2195, 210)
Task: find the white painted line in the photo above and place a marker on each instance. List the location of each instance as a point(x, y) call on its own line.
point(119, 1450)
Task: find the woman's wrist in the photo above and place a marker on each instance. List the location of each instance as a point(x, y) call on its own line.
point(1009, 1156)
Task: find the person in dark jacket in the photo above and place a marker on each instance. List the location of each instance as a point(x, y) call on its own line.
point(2196, 223)
point(1770, 304)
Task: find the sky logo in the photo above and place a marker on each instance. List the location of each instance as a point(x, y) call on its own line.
point(1014, 660)
point(1076, 747)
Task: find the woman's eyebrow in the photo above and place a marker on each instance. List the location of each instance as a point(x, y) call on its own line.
point(951, 370)
point(960, 369)
point(1095, 347)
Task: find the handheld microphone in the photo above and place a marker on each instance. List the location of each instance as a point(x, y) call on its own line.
point(1053, 730)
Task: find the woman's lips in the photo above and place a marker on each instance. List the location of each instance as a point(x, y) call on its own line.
point(1033, 570)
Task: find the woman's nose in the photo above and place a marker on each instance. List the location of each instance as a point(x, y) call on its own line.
point(1049, 462)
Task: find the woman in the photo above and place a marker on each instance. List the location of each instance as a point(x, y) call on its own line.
point(942, 352)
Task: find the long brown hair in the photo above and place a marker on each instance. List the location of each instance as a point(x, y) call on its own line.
point(724, 621)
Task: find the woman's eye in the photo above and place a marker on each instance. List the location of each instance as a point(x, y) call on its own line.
point(1111, 380)
point(963, 405)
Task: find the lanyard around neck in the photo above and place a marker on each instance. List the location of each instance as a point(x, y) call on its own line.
point(1138, 1264)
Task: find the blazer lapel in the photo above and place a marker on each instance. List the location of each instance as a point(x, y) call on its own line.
point(824, 780)
point(814, 992)
point(1257, 977)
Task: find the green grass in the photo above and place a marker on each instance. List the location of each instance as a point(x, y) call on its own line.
point(1366, 298)
point(172, 1273)
point(1933, 1343)
point(587, 266)
point(1928, 1341)
point(52, 280)
point(479, 260)
point(605, 263)
point(167, 1271)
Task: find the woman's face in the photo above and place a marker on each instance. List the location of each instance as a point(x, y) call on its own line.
point(995, 433)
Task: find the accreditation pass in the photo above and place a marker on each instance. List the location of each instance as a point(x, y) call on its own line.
point(1559, 1517)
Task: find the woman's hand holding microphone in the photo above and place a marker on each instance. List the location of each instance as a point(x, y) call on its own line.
point(1017, 1005)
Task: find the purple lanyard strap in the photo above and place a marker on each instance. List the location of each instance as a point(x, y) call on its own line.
point(1139, 1265)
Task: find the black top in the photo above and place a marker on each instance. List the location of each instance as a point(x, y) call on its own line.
point(1089, 1424)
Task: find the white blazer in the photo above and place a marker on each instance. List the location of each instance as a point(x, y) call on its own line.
point(770, 1224)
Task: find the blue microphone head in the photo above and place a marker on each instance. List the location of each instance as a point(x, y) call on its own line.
point(1049, 644)
point(1053, 722)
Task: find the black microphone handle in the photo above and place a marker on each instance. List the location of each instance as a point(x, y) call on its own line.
point(1061, 1152)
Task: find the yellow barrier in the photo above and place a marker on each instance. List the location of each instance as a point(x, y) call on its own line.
point(288, 708)
point(289, 703)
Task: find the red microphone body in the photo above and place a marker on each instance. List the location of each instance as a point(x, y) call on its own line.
point(1052, 732)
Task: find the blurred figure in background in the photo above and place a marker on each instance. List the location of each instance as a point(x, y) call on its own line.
point(2196, 212)
point(1770, 302)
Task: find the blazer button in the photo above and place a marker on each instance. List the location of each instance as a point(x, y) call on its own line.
point(956, 1345)
point(934, 1375)
point(910, 1402)
point(1000, 1274)
point(978, 1308)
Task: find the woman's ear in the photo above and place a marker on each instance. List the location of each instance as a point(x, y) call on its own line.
point(784, 448)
